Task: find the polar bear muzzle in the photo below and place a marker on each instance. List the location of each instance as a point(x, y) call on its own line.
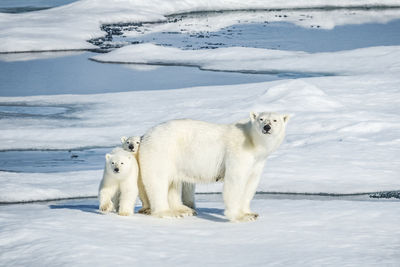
point(266, 129)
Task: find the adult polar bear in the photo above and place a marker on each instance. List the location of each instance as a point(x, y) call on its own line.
point(200, 152)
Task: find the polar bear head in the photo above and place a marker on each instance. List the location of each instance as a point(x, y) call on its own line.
point(119, 163)
point(269, 123)
point(131, 144)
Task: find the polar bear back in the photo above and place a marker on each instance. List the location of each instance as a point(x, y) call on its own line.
point(190, 150)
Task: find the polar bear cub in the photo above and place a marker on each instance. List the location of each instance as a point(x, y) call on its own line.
point(131, 144)
point(200, 152)
point(118, 188)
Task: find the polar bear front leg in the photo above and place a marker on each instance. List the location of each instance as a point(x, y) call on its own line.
point(250, 190)
point(234, 183)
point(105, 197)
point(175, 201)
point(129, 193)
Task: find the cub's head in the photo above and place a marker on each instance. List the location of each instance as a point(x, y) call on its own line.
point(119, 163)
point(269, 123)
point(131, 144)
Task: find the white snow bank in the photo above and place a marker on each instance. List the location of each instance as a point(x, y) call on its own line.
point(16, 187)
point(369, 60)
point(69, 27)
point(287, 233)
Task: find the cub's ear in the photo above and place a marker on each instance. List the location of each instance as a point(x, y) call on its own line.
point(123, 139)
point(108, 156)
point(286, 118)
point(253, 115)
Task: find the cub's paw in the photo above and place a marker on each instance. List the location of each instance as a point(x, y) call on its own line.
point(106, 207)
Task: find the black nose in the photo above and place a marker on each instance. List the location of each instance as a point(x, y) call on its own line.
point(130, 147)
point(267, 128)
point(116, 170)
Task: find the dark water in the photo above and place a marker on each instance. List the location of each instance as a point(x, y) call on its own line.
point(22, 6)
point(47, 161)
point(275, 35)
point(76, 74)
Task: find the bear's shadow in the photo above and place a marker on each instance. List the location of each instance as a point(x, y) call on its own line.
point(81, 207)
point(210, 214)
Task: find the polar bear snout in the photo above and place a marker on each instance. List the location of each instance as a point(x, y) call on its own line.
point(130, 147)
point(266, 129)
point(116, 170)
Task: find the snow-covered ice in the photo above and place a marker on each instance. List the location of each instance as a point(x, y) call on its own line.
point(69, 27)
point(288, 233)
point(255, 60)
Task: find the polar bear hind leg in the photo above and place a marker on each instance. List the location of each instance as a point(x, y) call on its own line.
point(175, 202)
point(188, 193)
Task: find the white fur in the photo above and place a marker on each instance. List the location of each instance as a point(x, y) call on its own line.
point(131, 144)
point(118, 188)
point(200, 152)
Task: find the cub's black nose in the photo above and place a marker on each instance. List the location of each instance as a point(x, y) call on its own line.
point(267, 128)
point(116, 170)
point(130, 147)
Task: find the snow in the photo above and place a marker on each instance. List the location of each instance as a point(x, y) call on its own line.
point(255, 60)
point(23, 187)
point(69, 27)
point(288, 233)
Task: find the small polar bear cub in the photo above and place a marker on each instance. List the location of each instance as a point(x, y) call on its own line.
point(118, 188)
point(131, 144)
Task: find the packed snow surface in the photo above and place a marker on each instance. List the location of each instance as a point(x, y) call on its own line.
point(69, 27)
point(288, 233)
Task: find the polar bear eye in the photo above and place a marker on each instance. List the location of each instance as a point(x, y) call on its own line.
point(261, 119)
point(122, 163)
point(137, 142)
point(274, 120)
point(112, 163)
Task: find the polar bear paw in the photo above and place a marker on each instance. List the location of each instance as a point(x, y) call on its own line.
point(241, 217)
point(168, 214)
point(186, 211)
point(124, 213)
point(107, 206)
point(248, 217)
point(146, 211)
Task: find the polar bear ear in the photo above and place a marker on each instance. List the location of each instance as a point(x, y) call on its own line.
point(108, 156)
point(286, 118)
point(123, 139)
point(253, 116)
